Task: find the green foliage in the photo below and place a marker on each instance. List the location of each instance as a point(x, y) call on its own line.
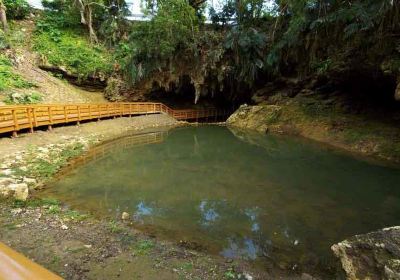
point(45, 167)
point(54, 209)
point(9, 79)
point(247, 46)
point(23, 98)
point(74, 215)
point(115, 227)
point(17, 9)
point(143, 247)
point(171, 31)
point(4, 44)
point(70, 48)
point(36, 202)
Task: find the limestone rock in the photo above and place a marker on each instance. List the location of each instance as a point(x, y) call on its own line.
point(125, 216)
point(258, 118)
point(20, 191)
point(375, 255)
point(397, 92)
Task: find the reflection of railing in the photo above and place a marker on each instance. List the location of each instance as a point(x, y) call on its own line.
point(16, 118)
point(15, 266)
point(126, 142)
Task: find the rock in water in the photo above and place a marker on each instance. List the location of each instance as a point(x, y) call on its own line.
point(260, 118)
point(374, 255)
point(125, 216)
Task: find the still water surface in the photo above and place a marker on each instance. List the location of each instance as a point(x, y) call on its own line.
point(257, 197)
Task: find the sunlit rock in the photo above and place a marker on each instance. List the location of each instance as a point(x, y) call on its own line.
point(260, 118)
point(375, 255)
point(125, 216)
point(20, 191)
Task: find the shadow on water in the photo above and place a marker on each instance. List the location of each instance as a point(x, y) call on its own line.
point(276, 201)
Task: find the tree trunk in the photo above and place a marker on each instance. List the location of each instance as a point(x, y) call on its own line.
point(92, 33)
point(81, 8)
point(3, 16)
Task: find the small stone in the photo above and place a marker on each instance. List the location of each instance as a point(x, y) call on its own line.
point(29, 181)
point(16, 211)
point(88, 246)
point(7, 172)
point(247, 276)
point(125, 216)
point(64, 227)
point(296, 242)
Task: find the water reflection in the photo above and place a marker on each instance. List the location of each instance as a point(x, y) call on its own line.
point(279, 198)
point(208, 213)
point(245, 248)
point(142, 210)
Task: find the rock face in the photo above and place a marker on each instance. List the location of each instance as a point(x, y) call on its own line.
point(260, 118)
point(397, 92)
point(371, 256)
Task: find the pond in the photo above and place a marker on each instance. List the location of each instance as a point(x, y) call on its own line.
point(278, 201)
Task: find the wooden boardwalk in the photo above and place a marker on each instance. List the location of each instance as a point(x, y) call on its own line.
point(28, 117)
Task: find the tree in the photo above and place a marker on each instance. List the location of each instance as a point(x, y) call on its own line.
point(3, 16)
point(86, 11)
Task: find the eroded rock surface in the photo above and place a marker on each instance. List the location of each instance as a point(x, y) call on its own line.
point(371, 256)
point(260, 118)
point(397, 92)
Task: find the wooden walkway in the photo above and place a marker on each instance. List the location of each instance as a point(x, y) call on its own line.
point(29, 117)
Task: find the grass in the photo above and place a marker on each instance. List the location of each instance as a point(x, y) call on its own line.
point(74, 215)
point(8, 78)
point(144, 247)
point(70, 49)
point(36, 203)
point(23, 98)
point(46, 167)
point(115, 228)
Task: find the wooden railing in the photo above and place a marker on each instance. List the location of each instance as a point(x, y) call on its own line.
point(16, 118)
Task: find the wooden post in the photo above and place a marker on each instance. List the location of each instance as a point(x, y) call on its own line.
point(78, 107)
point(50, 127)
point(90, 112)
point(16, 125)
point(130, 109)
point(28, 111)
point(34, 116)
point(65, 114)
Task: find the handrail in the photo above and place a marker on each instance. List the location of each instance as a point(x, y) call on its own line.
point(13, 265)
point(14, 118)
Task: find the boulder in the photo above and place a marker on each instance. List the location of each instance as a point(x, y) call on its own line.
point(374, 255)
point(20, 191)
point(258, 118)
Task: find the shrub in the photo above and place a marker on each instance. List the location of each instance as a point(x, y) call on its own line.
point(23, 98)
point(17, 9)
point(68, 47)
point(9, 79)
point(3, 41)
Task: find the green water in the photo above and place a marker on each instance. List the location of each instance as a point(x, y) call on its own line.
point(279, 201)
